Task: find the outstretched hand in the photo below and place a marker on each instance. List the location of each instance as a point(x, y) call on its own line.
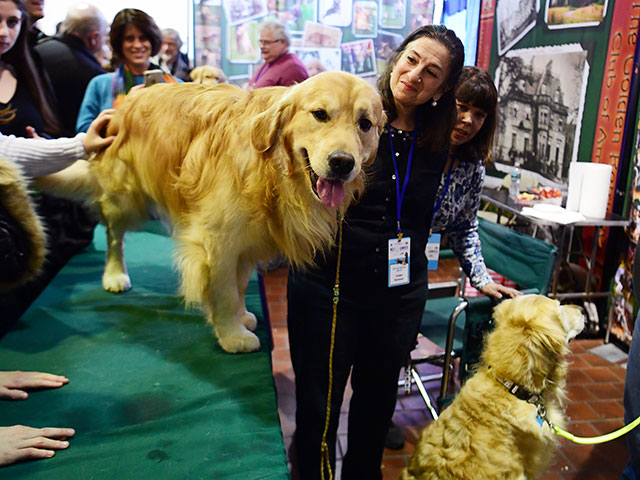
point(497, 290)
point(19, 443)
point(94, 140)
point(13, 384)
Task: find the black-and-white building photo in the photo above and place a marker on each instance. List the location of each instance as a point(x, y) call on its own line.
point(540, 102)
point(514, 20)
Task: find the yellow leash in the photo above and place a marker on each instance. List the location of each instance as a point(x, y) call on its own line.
point(324, 448)
point(595, 440)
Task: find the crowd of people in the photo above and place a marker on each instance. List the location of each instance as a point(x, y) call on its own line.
point(427, 176)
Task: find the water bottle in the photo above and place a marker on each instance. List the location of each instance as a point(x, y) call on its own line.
point(514, 186)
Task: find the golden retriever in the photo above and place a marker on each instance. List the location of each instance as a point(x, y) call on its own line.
point(241, 176)
point(489, 433)
point(207, 75)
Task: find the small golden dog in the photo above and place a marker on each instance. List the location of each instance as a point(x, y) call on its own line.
point(207, 75)
point(241, 176)
point(488, 432)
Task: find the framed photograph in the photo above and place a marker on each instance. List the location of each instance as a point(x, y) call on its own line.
point(574, 13)
point(514, 20)
point(365, 19)
point(421, 13)
point(208, 33)
point(297, 12)
point(335, 12)
point(318, 60)
point(318, 35)
point(241, 11)
point(359, 58)
point(242, 42)
point(393, 13)
point(541, 96)
point(385, 43)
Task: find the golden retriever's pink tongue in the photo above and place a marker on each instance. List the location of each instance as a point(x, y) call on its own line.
point(331, 192)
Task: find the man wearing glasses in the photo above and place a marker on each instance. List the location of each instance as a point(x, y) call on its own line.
point(280, 67)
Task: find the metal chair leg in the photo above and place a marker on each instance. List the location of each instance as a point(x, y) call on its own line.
point(424, 393)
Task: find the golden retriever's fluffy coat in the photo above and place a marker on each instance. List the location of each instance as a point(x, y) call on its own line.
point(487, 432)
point(241, 176)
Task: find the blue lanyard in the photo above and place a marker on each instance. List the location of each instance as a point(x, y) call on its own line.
point(444, 194)
point(400, 193)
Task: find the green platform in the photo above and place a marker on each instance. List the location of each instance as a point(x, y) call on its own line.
point(151, 395)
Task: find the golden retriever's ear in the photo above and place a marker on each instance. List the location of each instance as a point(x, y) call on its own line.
point(265, 127)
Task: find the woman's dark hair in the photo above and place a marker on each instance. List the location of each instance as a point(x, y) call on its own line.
point(140, 20)
point(435, 123)
point(476, 88)
point(20, 58)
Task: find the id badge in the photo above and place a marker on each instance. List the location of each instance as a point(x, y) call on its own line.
point(433, 251)
point(399, 257)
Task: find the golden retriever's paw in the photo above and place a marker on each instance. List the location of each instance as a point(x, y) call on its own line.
point(249, 320)
point(116, 283)
point(237, 340)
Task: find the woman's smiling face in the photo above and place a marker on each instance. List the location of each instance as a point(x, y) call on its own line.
point(420, 73)
point(469, 122)
point(136, 49)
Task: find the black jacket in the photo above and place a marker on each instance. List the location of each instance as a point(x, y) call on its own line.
point(371, 222)
point(70, 66)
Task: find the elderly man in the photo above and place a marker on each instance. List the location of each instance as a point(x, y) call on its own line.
point(280, 67)
point(70, 59)
point(171, 60)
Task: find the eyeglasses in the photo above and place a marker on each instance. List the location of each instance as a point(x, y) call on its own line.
point(266, 43)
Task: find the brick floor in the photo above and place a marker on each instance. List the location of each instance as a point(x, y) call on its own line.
point(595, 389)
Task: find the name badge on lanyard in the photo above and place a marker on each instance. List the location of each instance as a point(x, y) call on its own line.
point(432, 251)
point(399, 258)
point(400, 246)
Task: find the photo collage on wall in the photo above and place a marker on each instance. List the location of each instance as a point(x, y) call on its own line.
point(355, 36)
point(542, 74)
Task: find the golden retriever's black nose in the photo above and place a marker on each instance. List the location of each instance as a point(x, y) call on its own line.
point(341, 164)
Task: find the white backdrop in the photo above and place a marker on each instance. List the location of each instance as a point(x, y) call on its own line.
point(174, 14)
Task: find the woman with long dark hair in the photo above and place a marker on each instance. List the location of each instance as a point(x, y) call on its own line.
point(461, 186)
point(23, 94)
point(382, 291)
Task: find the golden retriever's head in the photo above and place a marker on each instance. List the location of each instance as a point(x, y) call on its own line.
point(329, 125)
point(207, 75)
point(530, 340)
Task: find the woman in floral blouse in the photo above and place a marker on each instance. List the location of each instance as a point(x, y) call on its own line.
point(461, 184)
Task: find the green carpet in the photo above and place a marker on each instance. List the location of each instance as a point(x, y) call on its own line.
point(151, 394)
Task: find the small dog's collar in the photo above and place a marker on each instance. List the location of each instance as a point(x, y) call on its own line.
point(523, 394)
point(518, 391)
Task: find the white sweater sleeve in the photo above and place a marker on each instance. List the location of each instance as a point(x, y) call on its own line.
point(38, 157)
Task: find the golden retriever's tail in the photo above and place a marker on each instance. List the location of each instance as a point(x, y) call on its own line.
point(74, 183)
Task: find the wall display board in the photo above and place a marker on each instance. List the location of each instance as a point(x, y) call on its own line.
point(351, 35)
point(564, 71)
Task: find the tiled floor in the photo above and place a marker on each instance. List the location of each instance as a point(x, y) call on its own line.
point(595, 389)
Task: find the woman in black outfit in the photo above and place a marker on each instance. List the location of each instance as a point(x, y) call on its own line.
point(377, 323)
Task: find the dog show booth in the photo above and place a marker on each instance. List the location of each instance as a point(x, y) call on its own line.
point(151, 393)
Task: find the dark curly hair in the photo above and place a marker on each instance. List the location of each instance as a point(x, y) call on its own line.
point(140, 20)
point(435, 123)
point(476, 88)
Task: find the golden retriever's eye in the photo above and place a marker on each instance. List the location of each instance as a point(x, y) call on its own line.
point(320, 115)
point(364, 124)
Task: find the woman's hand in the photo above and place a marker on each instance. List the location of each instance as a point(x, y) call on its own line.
point(31, 133)
point(94, 140)
point(13, 384)
point(25, 443)
point(496, 290)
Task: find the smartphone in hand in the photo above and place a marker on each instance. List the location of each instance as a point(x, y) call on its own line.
point(151, 77)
